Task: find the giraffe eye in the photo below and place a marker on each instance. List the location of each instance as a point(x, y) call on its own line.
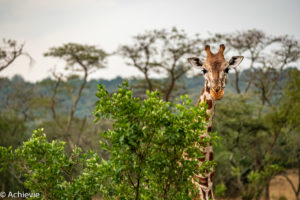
point(226, 70)
point(204, 71)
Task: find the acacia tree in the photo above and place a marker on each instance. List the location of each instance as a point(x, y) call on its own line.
point(10, 50)
point(163, 53)
point(287, 53)
point(80, 58)
point(252, 43)
point(142, 54)
point(15, 108)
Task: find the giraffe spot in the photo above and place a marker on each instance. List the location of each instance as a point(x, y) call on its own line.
point(209, 129)
point(207, 89)
point(203, 193)
point(209, 104)
point(202, 91)
point(203, 181)
point(209, 194)
point(211, 156)
point(212, 176)
point(201, 159)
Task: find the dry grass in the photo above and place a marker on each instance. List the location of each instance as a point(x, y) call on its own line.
point(281, 188)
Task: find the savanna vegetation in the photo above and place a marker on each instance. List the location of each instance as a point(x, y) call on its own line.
point(72, 137)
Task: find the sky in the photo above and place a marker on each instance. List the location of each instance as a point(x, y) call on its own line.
point(42, 24)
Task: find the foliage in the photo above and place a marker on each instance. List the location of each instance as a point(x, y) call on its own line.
point(146, 145)
point(258, 179)
point(220, 190)
point(5, 157)
point(243, 140)
point(290, 101)
point(259, 128)
point(48, 170)
point(87, 56)
point(257, 145)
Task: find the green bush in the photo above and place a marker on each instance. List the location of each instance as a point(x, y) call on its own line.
point(49, 171)
point(146, 148)
point(146, 145)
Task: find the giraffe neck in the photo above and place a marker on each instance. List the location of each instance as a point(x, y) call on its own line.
point(211, 103)
point(204, 182)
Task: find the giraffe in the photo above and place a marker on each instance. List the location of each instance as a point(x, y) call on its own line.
point(215, 70)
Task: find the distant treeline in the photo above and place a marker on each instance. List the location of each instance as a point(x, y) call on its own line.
point(191, 85)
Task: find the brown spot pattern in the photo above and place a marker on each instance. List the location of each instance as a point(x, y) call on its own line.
point(211, 156)
point(207, 89)
point(201, 159)
point(203, 181)
point(212, 176)
point(209, 104)
point(215, 63)
point(209, 194)
point(203, 193)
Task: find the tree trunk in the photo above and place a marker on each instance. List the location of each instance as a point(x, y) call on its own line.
point(73, 110)
point(137, 190)
point(267, 190)
point(74, 106)
point(298, 189)
point(169, 91)
point(251, 76)
point(3, 187)
point(237, 81)
point(150, 87)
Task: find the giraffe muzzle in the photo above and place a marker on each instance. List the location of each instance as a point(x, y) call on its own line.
point(217, 95)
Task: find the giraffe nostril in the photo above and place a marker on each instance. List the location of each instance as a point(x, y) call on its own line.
point(217, 89)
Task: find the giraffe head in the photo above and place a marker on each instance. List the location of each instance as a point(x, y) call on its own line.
point(215, 70)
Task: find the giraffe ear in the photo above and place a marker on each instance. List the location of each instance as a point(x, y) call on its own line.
point(235, 61)
point(195, 62)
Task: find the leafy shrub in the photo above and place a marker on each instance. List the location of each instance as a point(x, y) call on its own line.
point(53, 174)
point(220, 190)
point(146, 145)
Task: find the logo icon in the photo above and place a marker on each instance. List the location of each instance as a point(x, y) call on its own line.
point(2, 194)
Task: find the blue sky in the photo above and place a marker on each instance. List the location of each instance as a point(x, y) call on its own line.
point(108, 23)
